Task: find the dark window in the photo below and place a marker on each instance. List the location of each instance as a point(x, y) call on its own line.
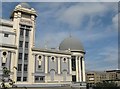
point(26, 44)
point(3, 64)
point(4, 53)
point(20, 56)
point(74, 78)
point(25, 67)
point(39, 66)
point(19, 67)
point(18, 78)
point(20, 43)
point(24, 78)
point(6, 35)
point(41, 78)
point(36, 78)
point(53, 58)
point(26, 56)
point(21, 32)
point(27, 33)
point(73, 63)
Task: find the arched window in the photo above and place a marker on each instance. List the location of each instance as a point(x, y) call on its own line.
point(52, 74)
point(39, 58)
point(64, 75)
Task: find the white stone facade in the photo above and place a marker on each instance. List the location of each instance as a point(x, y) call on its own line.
point(36, 66)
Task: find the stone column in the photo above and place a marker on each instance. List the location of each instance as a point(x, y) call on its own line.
point(76, 69)
point(83, 66)
point(46, 65)
point(70, 66)
point(58, 65)
point(80, 79)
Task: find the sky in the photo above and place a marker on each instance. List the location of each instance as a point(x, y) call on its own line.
point(95, 24)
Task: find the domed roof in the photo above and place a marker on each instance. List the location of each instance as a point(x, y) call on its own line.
point(25, 5)
point(71, 43)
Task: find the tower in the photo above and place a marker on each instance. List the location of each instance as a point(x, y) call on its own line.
point(23, 18)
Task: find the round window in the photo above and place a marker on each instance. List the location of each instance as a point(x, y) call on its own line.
point(64, 59)
point(52, 58)
point(40, 57)
point(4, 53)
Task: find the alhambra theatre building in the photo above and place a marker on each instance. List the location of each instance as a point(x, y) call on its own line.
point(38, 67)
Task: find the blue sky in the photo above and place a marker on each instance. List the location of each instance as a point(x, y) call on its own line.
point(93, 23)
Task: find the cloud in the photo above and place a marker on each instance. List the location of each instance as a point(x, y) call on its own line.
point(75, 14)
point(115, 21)
point(106, 58)
point(52, 41)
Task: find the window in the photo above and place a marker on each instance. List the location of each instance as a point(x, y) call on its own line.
point(53, 59)
point(25, 67)
point(74, 78)
point(41, 78)
point(19, 67)
point(6, 35)
point(26, 56)
point(64, 60)
point(26, 44)
point(37, 78)
point(39, 66)
point(73, 63)
point(3, 64)
point(4, 53)
point(20, 56)
point(21, 32)
point(27, 33)
point(24, 78)
point(18, 78)
point(20, 43)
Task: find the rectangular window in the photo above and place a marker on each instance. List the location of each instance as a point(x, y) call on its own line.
point(73, 63)
point(74, 78)
point(26, 44)
point(36, 78)
point(25, 67)
point(21, 32)
point(26, 56)
point(24, 78)
point(19, 67)
point(18, 78)
point(21, 44)
point(20, 56)
point(27, 33)
point(3, 64)
point(39, 78)
point(6, 35)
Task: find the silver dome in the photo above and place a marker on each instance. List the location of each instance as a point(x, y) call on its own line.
point(25, 5)
point(72, 44)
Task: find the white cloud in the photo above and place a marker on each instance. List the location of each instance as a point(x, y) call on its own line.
point(51, 40)
point(115, 21)
point(74, 14)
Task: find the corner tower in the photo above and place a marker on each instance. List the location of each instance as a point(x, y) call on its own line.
point(77, 58)
point(23, 18)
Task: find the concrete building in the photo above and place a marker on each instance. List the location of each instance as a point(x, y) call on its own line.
point(37, 67)
point(93, 77)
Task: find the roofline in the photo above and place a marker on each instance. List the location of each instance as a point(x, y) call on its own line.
point(80, 51)
point(8, 46)
point(52, 51)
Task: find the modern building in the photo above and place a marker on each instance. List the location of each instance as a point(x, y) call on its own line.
point(93, 77)
point(38, 67)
